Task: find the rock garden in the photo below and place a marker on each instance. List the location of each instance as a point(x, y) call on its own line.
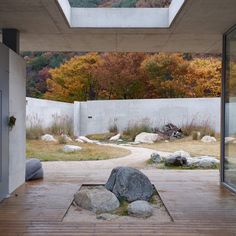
point(127, 196)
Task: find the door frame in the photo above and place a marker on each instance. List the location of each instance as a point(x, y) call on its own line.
point(223, 95)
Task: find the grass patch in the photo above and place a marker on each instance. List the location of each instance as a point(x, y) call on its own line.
point(101, 137)
point(48, 151)
point(123, 209)
point(194, 147)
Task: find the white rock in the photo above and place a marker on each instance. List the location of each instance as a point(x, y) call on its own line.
point(203, 162)
point(79, 140)
point(115, 138)
point(140, 209)
point(208, 162)
point(48, 138)
point(208, 139)
point(193, 161)
point(147, 137)
point(85, 139)
point(230, 139)
point(71, 148)
point(97, 199)
point(180, 153)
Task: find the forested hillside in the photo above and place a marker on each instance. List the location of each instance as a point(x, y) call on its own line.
point(120, 3)
point(92, 76)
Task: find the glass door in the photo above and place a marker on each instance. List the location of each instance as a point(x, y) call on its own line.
point(229, 111)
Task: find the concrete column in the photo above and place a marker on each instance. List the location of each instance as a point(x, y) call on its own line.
point(12, 104)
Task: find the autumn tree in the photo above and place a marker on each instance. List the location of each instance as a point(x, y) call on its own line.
point(119, 75)
point(166, 75)
point(74, 81)
point(204, 78)
point(172, 76)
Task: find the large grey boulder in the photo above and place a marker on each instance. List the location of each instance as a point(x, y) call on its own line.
point(178, 158)
point(96, 199)
point(140, 209)
point(33, 170)
point(147, 137)
point(129, 184)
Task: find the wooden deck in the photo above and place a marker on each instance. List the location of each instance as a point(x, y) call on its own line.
point(194, 199)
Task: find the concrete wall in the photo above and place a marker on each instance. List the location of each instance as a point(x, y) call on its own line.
point(4, 112)
point(17, 146)
point(12, 141)
point(97, 116)
point(45, 111)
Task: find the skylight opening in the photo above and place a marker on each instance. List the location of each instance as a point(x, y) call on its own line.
point(120, 3)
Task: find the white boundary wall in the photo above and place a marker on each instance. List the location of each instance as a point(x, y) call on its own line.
point(44, 111)
point(97, 116)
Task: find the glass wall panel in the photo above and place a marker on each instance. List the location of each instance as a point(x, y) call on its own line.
point(230, 110)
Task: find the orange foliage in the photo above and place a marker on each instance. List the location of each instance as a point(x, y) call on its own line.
point(134, 76)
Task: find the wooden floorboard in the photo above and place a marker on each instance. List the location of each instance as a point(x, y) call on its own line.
point(194, 199)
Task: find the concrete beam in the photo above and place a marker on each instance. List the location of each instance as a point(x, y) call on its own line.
point(11, 38)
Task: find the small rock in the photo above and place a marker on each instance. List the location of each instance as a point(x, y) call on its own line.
point(208, 139)
point(140, 209)
point(96, 199)
point(230, 139)
point(156, 158)
point(48, 138)
point(129, 184)
point(115, 138)
point(71, 148)
point(147, 137)
point(85, 139)
point(107, 216)
point(178, 158)
point(79, 140)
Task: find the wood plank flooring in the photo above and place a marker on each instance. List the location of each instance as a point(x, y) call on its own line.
point(194, 199)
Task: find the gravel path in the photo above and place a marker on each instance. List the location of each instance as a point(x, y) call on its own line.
point(73, 169)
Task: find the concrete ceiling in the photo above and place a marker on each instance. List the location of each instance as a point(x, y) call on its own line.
point(197, 28)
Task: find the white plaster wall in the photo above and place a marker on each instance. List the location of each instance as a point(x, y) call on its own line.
point(155, 111)
point(45, 111)
point(17, 148)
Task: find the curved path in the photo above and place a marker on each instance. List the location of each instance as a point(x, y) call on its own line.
point(86, 169)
